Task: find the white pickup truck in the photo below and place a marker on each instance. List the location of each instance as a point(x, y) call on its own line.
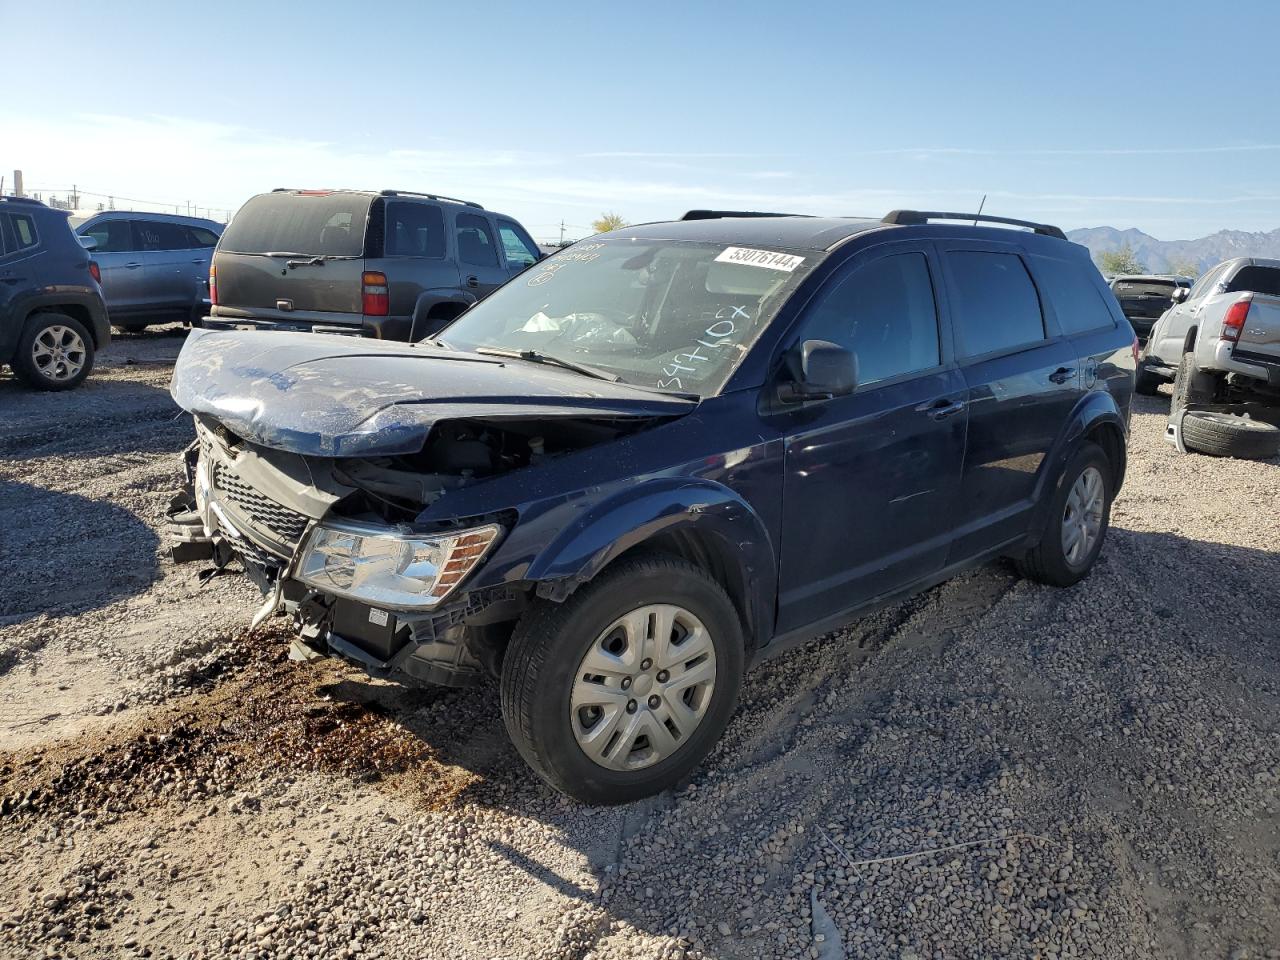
point(1220, 344)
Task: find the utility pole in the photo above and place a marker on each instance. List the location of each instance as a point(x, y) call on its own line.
point(75, 198)
point(562, 233)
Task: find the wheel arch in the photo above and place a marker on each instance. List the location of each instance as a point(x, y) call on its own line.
point(702, 522)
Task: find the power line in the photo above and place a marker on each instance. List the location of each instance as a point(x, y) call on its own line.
point(78, 191)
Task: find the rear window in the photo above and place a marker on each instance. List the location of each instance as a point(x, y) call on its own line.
point(1073, 295)
point(320, 225)
point(997, 305)
point(1138, 288)
point(1264, 280)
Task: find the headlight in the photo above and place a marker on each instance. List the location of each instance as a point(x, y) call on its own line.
point(388, 569)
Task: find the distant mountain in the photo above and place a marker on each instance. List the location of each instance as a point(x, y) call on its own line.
point(1160, 255)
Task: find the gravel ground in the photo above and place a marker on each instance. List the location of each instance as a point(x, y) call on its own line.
point(991, 769)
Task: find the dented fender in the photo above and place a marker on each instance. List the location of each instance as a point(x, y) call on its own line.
point(720, 520)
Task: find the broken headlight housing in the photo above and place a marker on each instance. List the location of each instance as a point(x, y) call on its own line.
point(387, 568)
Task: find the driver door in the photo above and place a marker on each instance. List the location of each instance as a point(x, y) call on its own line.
point(872, 479)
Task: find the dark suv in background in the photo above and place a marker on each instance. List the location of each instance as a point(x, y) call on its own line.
point(1145, 297)
point(392, 264)
point(155, 266)
point(52, 317)
point(662, 455)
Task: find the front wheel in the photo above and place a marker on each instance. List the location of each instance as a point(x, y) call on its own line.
point(1076, 524)
point(623, 689)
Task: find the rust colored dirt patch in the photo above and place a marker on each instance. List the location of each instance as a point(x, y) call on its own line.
point(265, 712)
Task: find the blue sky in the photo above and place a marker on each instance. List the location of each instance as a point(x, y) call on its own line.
point(1159, 116)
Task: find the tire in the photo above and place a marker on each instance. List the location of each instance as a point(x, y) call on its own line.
point(546, 666)
point(1049, 561)
point(1229, 435)
point(1145, 382)
point(54, 352)
point(1190, 385)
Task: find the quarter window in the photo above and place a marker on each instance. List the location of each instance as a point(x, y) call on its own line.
point(885, 313)
point(518, 247)
point(415, 230)
point(24, 230)
point(200, 237)
point(1076, 302)
point(475, 241)
point(113, 236)
point(996, 304)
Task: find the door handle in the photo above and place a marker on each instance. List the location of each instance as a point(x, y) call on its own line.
point(1062, 374)
point(473, 281)
point(198, 260)
point(132, 266)
point(941, 409)
point(11, 279)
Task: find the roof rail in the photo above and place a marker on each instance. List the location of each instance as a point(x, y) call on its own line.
point(429, 196)
point(725, 214)
point(31, 200)
point(906, 218)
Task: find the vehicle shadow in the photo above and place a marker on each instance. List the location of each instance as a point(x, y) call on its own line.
point(1140, 582)
point(63, 554)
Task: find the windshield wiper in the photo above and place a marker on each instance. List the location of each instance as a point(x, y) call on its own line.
point(533, 356)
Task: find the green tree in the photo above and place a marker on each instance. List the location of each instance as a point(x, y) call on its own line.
point(1184, 268)
point(607, 222)
point(1124, 260)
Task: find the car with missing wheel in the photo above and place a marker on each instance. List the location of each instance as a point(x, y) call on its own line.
point(52, 316)
point(660, 457)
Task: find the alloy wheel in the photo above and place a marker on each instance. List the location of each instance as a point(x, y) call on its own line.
point(58, 353)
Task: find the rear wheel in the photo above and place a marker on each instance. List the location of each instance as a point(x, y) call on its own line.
point(1190, 385)
point(1145, 382)
point(622, 690)
point(1076, 524)
point(1230, 435)
point(54, 352)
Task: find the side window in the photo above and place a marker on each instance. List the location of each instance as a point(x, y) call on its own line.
point(415, 230)
point(1071, 294)
point(152, 235)
point(24, 231)
point(199, 237)
point(516, 244)
point(113, 236)
point(996, 307)
point(885, 312)
point(475, 241)
point(1205, 284)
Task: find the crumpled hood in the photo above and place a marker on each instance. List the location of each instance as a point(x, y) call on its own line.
point(335, 396)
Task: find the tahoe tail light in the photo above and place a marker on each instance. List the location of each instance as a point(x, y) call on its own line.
point(95, 271)
point(374, 294)
point(1233, 322)
point(213, 285)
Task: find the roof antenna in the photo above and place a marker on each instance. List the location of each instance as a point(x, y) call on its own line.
point(980, 206)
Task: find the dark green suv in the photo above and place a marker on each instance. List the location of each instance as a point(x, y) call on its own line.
point(391, 264)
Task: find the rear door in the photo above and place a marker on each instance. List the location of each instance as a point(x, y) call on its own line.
point(165, 250)
point(123, 272)
point(477, 248)
point(872, 479)
point(1023, 381)
point(294, 256)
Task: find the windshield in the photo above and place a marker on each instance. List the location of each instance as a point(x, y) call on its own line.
point(316, 224)
point(671, 315)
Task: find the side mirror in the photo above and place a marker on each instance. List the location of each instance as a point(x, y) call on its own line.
point(820, 370)
point(1179, 294)
point(87, 242)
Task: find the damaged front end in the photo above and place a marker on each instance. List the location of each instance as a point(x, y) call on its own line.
point(339, 543)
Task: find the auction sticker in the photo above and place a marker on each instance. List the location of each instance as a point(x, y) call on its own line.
point(785, 262)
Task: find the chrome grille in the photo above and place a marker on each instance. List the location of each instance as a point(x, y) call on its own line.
point(286, 524)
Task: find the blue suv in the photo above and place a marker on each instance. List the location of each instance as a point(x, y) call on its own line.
point(662, 455)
